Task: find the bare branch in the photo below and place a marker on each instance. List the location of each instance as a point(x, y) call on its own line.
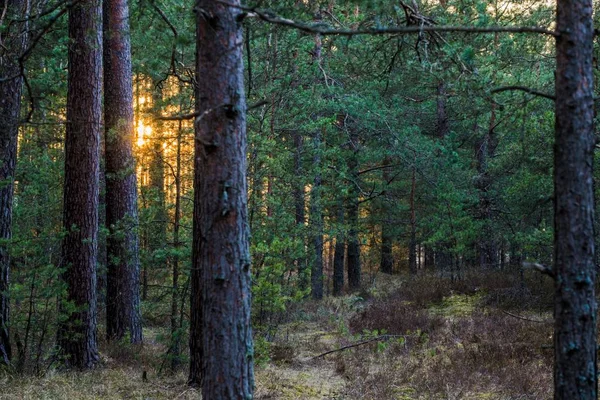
point(541, 268)
point(183, 117)
point(524, 89)
point(270, 17)
point(45, 30)
point(375, 339)
point(525, 319)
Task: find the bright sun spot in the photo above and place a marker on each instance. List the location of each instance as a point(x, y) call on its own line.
point(143, 132)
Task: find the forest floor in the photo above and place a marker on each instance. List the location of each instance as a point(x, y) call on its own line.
point(486, 336)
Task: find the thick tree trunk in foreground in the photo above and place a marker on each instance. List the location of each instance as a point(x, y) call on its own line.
point(123, 269)
point(575, 369)
point(220, 334)
point(77, 333)
point(14, 42)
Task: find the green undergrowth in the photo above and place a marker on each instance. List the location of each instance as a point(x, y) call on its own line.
point(420, 338)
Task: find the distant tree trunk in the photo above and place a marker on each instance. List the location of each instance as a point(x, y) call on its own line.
point(339, 253)
point(575, 308)
point(220, 334)
point(77, 332)
point(156, 237)
point(299, 204)
point(354, 269)
point(123, 269)
point(175, 336)
point(316, 222)
point(14, 43)
point(442, 127)
point(412, 247)
point(428, 259)
point(387, 259)
point(316, 209)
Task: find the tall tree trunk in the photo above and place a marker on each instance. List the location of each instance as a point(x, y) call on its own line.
point(175, 335)
point(316, 222)
point(101, 271)
point(354, 268)
point(220, 334)
point(412, 247)
point(387, 258)
point(316, 211)
point(123, 269)
point(442, 127)
point(575, 369)
point(340, 249)
point(14, 43)
point(299, 205)
point(77, 332)
point(156, 237)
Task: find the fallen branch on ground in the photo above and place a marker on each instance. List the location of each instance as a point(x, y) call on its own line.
point(375, 339)
point(526, 319)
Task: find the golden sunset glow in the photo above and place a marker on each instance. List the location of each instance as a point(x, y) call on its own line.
point(143, 132)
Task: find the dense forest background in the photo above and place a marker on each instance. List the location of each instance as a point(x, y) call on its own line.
point(400, 197)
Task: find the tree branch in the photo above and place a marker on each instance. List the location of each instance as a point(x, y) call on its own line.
point(320, 28)
point(523, 89)
point(540, 268)
point(375, 339)
point(183, 117)
point(525, 319)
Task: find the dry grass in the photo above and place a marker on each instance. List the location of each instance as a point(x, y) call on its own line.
point(452, 341)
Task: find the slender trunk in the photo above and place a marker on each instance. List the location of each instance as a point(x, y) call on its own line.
point(575, 308)
point(157, 235)
point(340, 249)
point(175, 341)
point(77, 330)
point(428, 259)
point(412, 248)
point(10, 106)
point(299, 205)
point(273, 77)
point(442, 127)
point(220, 334)
point(387, 258)
point(123, 269)
point(354, 268)
point(316, 211)
point(316, 222)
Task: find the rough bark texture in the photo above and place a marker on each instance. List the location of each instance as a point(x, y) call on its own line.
point(14, 42)
point(575, 369)
point(221, 350)
point(123, 269)
point(77, 332)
